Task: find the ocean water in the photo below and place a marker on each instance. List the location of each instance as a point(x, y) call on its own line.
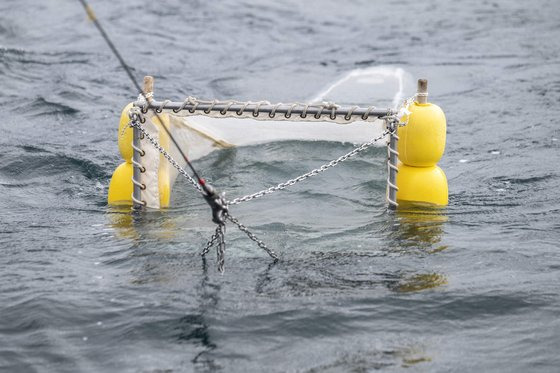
point(85, 287)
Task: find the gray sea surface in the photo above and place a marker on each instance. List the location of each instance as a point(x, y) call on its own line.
point(85, 287)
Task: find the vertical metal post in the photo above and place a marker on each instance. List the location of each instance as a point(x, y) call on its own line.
point(392, 159)
point(136, 190)
point(137, 154)
point(422, 92)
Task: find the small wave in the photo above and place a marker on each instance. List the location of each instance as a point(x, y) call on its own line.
point(37, 162)
point(25, 57)
point(523, 180)
point(41, 106)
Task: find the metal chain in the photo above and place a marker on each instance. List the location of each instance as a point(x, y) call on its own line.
point(167, 156)
point(221, 248)
point(309, 174)
point(210, 243)
point(219, 237)
point(254, 238)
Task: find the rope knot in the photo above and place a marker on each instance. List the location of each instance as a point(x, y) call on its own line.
point(328, 105)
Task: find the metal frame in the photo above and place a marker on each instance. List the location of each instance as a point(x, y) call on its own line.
point(265, 111)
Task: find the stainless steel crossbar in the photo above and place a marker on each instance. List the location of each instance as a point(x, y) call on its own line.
point(256, 109)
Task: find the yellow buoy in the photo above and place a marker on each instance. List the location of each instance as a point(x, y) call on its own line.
point(422, 184)
point(125, 135)
point(120, 187)
point(421, 145)
point(422, 140)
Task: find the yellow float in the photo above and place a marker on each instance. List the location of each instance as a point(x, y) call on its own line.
point(121, 186)
point(421, 145)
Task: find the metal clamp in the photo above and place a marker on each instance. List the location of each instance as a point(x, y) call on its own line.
point(217, 202)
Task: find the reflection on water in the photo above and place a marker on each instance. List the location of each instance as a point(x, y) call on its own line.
point(418, 229)
point(413, 231)
point(145, 231)
point(374, 359)
point(156, 266)
point(121, 220)
point(133, 224)
point(208, 295)
point(420, 282)
point(410, 362)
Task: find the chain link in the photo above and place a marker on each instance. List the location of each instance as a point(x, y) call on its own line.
point(218, 236)
point(253, 238)
point(210, 243)
point(221, 248)
point(309, 174)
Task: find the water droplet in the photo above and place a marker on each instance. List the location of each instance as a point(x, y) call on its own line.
point(463, 160)
point(495, 152)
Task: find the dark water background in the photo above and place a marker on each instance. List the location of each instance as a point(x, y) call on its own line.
point(85, 288)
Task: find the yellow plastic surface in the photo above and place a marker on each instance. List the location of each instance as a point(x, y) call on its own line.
point(120, 187)
point(422, 140)
point(125, 138)
point(164, 182)
point(422, 184)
